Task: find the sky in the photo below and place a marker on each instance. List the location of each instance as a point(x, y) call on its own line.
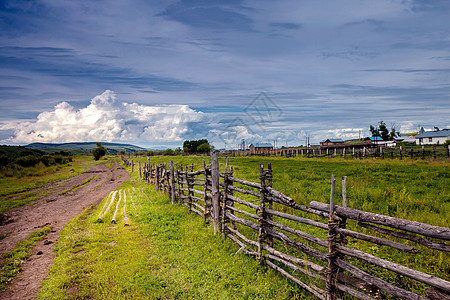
point(156, 73)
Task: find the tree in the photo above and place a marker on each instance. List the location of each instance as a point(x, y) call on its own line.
point(204, 148)
point(381, 131)
point(99, 151)
point(197, 146)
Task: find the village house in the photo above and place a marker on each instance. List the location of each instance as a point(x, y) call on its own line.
point(436, 137)
point(331, 142)
point(261, 147)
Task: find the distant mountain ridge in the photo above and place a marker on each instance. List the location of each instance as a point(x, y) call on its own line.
point(83, 147)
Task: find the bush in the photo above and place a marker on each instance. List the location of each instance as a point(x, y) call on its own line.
point(27, 161)
point(99, 151)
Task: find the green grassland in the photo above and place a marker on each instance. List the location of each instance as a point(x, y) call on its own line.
point(414, 190)
point(169, 253)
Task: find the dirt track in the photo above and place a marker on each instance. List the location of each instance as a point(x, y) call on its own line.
point(54, 209)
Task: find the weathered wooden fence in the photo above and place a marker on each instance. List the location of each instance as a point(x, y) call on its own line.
point(294, 239)
point(349, 151)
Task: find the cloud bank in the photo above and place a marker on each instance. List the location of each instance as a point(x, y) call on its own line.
point(108, 119)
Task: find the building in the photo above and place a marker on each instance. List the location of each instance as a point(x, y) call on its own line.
point(405, 138)
point(331, 142)
point(437, 137)
point(374, 139)
point(261, 147)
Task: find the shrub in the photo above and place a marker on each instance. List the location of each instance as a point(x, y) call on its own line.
point(99, 151)
point(27, 161)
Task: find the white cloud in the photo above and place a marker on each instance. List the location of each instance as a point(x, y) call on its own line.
point(107, 119)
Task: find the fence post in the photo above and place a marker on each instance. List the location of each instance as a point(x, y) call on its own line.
point(140, 172)
point(180, 185)
point(188, 185)
point(224, 198)
point(172, 183)
point(331, 256)
point(205, 190)
point(262, 213)
point(215, 189)
point(157, 177)
point(343, 222)
point(268, 176)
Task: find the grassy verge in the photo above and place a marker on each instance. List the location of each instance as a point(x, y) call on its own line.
point(12, 261)
point(165, 253)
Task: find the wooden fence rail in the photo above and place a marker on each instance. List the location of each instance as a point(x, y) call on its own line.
point(307, 244)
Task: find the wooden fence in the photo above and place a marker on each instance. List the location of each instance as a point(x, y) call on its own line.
point(349, 151)
point(307, 244)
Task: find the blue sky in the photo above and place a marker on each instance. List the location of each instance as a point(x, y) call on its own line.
point(155, 73)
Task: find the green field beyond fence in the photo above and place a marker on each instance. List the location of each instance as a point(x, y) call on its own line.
point(411, 191)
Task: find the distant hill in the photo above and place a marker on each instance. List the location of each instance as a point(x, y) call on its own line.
point(15, 150)
point(84, 148)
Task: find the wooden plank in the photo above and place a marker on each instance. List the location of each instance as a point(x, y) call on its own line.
point(244, 191)
point(125, 216)
point(198, 206)
point(436, 294)
point(403, 235)
point(239, 200)
point(195, 173)
point(114, 220)
point(391, 289)
point(242, 212)
point(411, 226)
point(215, 190)
point(287, 200)
point(302, 208)
point(198, 198)
point(237, 241)
point(299, 233)
point(172, 183)
point(241, 236)
point(197, 212)
point(245, 182)
point(242, 221)
point(314, 290)
point(297, 245)
point(397, 268)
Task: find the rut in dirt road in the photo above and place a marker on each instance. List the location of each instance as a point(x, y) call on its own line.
point(55, 209)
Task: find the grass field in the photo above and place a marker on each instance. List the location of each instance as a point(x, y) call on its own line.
point(415, 190)
point(169, 253)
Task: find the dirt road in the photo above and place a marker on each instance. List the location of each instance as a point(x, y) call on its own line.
point(63, 203)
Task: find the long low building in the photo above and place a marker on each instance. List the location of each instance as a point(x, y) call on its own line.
point(437, 137)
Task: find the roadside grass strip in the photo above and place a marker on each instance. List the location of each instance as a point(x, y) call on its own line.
point(12, 261)
point(165, 253)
